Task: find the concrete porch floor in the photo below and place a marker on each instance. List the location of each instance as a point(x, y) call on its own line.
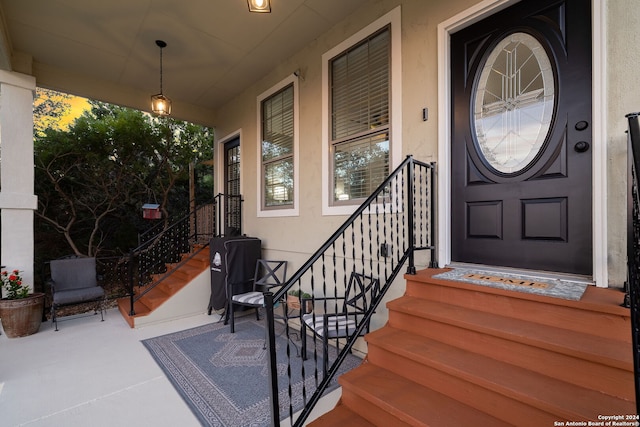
point(94, 373)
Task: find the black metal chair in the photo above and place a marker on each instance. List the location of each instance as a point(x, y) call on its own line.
point(74, 281)
point(268, 274)
point(359, 294)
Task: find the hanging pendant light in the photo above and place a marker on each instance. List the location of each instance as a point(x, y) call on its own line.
point(160, 104)
point(260, 6)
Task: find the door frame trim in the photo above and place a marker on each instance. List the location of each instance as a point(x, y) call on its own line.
point(220, 158)
point(599, 126)
point(219, 154)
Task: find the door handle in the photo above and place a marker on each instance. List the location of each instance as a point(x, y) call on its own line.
point(581, 146)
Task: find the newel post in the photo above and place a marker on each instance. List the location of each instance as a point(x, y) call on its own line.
point(271, 352)
point(411, 268)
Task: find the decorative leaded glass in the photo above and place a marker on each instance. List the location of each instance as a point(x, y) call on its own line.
point(514, 102)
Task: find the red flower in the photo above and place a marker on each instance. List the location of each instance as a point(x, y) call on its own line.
point(12, 277)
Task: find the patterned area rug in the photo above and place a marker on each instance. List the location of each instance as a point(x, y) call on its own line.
point(551, 287)
point(223, 377)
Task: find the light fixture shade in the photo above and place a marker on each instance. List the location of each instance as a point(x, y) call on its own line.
point(160, 105)
point(260, 6)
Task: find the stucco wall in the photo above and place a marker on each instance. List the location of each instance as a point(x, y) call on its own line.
point(303, 234)
point(295, 238)
point(623, 86)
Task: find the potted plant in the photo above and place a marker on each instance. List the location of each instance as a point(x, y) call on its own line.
point(20, 311)
point(293, 300)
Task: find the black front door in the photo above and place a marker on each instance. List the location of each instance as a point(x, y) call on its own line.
point(521, 138)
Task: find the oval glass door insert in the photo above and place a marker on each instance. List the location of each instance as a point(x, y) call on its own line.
point(514, 103)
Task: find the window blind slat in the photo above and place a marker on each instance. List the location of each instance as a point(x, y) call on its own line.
point(277, 148)
point(360, 97)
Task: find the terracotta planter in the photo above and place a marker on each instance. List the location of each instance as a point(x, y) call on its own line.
point(293, 302)
point(22, 317)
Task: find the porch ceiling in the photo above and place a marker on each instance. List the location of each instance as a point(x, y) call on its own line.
point(106, 49)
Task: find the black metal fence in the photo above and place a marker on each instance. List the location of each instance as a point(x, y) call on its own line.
point(633, 245)
point(372, 246)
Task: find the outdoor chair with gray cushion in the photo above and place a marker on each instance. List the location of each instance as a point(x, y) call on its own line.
point(268, 274)
point(74, 281)
point(359, 294)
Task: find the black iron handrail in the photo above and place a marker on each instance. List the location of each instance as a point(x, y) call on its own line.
point(377, 240)
point(633, 246)
point(167, 245)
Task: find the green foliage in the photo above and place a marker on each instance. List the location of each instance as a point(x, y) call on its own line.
point(92, 180)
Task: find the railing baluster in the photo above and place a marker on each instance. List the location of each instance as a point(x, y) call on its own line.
point(432, 224)
point(411, 269)
point(384, 232)
point(132, 311)
point(273, 368)
point(370, 242)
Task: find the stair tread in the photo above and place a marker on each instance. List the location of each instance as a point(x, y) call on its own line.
point(166, 285)
point(185, 267)
point(411, 402)
point(513, 381)
point(602, 300)
point(124, 305)
point(340, 416)
point(171, 284)
point(598, 312)
point(200, 256)
point(550, 337)
point(155, 298)
point(155, 293)
point(199, 263)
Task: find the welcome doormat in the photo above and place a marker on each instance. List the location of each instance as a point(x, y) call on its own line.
point(224, 377)
point(546, 286)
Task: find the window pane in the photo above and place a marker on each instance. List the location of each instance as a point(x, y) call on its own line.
point(278, 183)
point(360, 83)
point(233, 171)
point(277, 148)
point(360, 87)
point(277, 125)
point(360, 166)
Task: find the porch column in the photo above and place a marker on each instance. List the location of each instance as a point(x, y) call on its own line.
point(17, 198)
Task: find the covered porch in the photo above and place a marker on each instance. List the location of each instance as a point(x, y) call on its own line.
point(222, 66)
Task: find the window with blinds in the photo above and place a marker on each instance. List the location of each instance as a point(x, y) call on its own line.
point(277, 149)
point(359, 103)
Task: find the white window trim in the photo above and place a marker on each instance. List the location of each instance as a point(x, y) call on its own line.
point(283, 211)
point(393, 18)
